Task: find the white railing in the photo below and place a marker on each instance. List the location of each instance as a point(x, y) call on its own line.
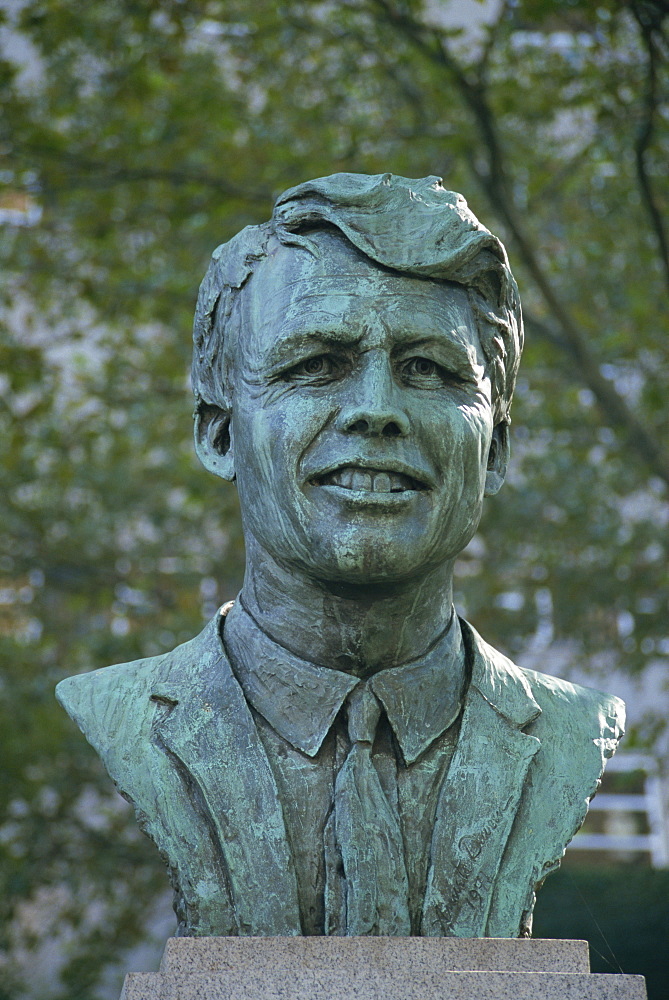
point(621, 835)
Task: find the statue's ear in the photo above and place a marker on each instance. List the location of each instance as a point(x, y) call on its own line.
point(498, 459)
point(213, 440)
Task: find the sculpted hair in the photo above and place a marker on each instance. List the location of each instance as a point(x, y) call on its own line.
point(415, 227)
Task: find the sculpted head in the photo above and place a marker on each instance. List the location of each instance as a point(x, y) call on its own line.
point(354, 364)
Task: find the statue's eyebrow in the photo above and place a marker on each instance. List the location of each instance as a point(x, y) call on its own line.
point(295, 342)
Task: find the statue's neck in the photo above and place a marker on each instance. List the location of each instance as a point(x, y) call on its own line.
point(360, 629)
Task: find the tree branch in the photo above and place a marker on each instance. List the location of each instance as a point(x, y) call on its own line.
point(649, 32)
point(545, 331)
point(494, 182)
point(493, 35)
point(84, 172)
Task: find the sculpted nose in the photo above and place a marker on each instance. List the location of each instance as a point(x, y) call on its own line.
point(374, 408)
point(371, 424)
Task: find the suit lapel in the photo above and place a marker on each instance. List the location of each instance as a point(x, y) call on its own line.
point(480, 795)
point(208, 727)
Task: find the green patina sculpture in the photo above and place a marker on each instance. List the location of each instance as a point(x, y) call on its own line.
point(338, 753)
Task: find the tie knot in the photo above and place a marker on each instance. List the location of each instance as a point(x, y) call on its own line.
point(363, 714)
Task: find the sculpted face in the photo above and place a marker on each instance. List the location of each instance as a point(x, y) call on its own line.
point(361, 417)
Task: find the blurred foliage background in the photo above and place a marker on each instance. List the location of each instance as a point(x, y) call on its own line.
point(136, 135)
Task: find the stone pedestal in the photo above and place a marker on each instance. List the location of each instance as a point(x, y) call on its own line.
point(377, 968)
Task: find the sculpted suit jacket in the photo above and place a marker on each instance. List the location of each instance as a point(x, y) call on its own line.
point(179, 741)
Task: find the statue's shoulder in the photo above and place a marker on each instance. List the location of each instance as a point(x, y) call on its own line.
point(106, 702)
point(114, 706)
point(575, 709)
point(570, 712)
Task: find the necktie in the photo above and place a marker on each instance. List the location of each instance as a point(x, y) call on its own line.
point(367, 832)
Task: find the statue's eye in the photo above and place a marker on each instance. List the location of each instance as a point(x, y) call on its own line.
point(316, 366)
point(319, 368)
point(425, 373)
point(422, 366)
point(421, 369)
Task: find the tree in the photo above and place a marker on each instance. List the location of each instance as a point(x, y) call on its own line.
point(147, 132)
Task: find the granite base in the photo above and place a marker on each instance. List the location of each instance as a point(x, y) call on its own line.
point(375, 968)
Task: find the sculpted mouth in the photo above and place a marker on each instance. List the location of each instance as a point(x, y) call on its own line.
point(369, 480)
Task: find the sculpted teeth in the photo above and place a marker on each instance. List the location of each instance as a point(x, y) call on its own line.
point(345, 477)
point(369, 480)
point(362, 481)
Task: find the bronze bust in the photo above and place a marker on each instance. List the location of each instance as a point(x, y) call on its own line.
point(337, 752)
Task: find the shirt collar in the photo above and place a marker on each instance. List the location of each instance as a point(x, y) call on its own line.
point(300, 700)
